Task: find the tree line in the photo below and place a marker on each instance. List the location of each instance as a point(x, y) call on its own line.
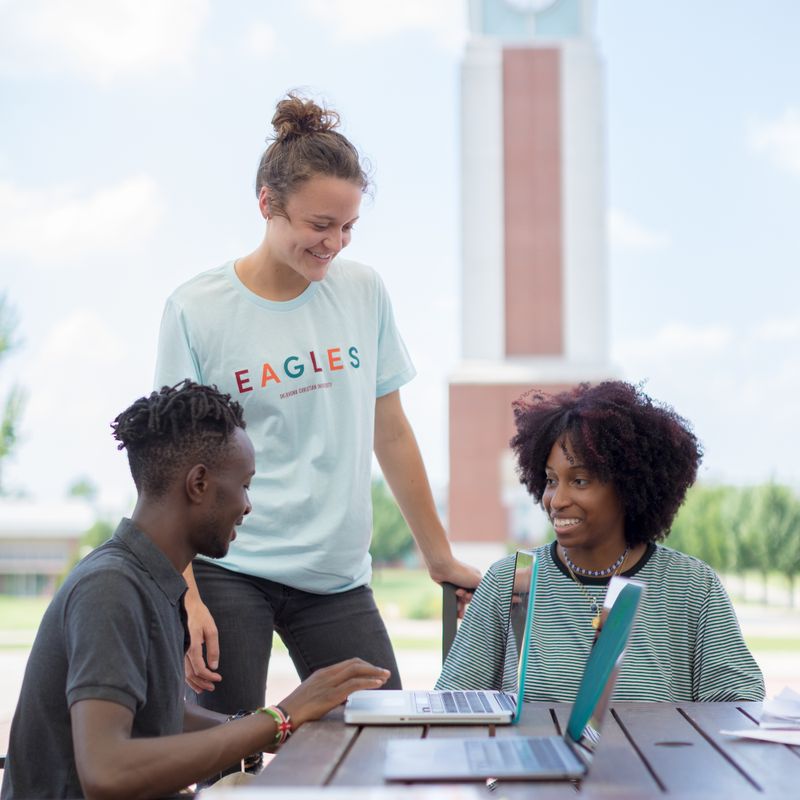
point(736, 530)
point(740, 530)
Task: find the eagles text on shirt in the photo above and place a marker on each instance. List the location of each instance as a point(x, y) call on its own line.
point(294, 366)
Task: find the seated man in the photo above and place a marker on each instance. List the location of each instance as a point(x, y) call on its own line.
point(101, 710)
point(610, 467)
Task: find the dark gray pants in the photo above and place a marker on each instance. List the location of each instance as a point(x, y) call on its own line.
point(317, 629)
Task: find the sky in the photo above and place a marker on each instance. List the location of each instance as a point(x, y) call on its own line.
point(130, 132)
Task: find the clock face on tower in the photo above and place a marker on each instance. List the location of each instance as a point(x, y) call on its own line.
point(534, 6)
point(528, 20)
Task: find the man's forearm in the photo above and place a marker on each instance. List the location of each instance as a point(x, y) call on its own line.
point(117, 767)
point(197, 718)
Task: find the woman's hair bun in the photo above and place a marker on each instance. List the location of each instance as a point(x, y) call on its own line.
point(298, 116)
point(305, 144)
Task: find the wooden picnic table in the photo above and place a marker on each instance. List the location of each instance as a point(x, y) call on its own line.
point(646, 750)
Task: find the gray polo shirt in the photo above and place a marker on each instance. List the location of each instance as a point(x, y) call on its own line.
point(115, 630)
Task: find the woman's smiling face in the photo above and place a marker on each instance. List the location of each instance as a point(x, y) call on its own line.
point(315, 225)
point(586, 513)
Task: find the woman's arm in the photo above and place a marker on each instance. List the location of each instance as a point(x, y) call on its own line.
point(200, 674)
point(475, 660)
point(401, 462)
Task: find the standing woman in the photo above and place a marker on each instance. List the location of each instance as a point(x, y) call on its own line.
point(307, 343)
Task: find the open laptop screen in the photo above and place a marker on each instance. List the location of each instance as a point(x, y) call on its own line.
point(520, 618)
point(602, 667)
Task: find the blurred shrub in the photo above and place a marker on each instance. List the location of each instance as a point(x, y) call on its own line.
point(392, 542)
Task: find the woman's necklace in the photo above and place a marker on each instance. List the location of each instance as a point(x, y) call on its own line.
point(595, 603)
point(595, 573)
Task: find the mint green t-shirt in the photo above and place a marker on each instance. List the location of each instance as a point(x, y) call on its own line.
point(307, 373)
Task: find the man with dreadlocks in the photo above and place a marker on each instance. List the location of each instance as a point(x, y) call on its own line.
point(102, 697)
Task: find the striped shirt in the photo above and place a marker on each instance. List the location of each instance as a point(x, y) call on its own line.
point(686, 644)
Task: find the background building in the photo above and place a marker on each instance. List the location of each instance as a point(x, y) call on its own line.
point(534, 271)
point(39, 544)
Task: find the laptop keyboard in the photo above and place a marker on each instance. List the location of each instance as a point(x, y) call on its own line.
point(507, 701)
point(537, 754)
point(455, 703)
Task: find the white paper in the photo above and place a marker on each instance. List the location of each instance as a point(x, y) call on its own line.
point(779, 736)
point(780, 720)
point(615, 586)
point(782, 711)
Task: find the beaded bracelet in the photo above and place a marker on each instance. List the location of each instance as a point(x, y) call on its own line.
point(239, 715)
point(283, 723)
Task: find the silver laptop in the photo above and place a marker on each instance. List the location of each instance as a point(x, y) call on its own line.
point(566, 757)
point(397, 707)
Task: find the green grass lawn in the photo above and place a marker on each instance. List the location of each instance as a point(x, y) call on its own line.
point(766, 644)
point(408, 593)
point(399, 593)
point(21, 613)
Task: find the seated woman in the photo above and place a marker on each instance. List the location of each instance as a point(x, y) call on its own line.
point(610, 468)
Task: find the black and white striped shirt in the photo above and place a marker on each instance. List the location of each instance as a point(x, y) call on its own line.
point(686, 644)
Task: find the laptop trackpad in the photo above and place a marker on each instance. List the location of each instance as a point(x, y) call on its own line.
point(383, 700)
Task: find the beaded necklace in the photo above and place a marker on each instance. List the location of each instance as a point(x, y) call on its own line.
point(595, 603)
point(595, 573)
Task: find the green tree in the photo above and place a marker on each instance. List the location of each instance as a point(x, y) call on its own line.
point(701, 527)
point(100, 531)
point(777, 515)
point(748, 546)
point(12, 408)
point(391, 538)
point(83, 488)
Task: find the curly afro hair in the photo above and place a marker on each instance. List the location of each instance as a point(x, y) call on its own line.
point(643, 448)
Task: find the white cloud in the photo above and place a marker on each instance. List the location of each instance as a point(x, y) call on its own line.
point(677, 340)
point(58, 224)
point(261, 41)
point(778, 330)
point(100, 39)
point(779, 140)
point(737, 386)
point(626, 233)
point(77, 379)
point(67, 376)
point(81, 332)
point(357, 20)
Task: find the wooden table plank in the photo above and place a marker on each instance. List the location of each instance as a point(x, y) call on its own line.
point(616, 764)
point(536, 720)
point(460, 731)
point(364, 763)
point(311, 756)
point(774, 767)
point(644, 746)
point(682, 760)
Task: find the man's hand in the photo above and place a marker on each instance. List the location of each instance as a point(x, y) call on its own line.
point(200, 676)
point(327, 688)
point(462, 575)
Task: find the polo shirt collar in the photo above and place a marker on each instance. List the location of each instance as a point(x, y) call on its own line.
point(152, 559)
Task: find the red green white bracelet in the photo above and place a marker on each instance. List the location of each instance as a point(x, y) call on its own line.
point(283, 723)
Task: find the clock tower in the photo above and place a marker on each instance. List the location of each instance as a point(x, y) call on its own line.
point(534, 274)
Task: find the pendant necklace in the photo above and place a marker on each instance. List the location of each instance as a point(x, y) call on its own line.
point(595, 603)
